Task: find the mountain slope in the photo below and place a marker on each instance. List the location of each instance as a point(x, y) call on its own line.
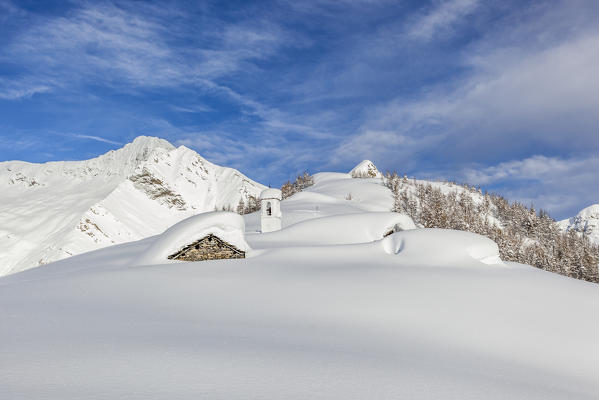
point(585, 222)
point(54, 210)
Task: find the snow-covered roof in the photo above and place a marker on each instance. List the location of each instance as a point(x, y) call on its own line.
point(227, 226)
point(271, 193)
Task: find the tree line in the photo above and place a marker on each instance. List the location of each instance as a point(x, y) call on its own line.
point(522, 234)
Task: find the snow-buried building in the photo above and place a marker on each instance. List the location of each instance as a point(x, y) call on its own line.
point(207, 236)
point(209, 247)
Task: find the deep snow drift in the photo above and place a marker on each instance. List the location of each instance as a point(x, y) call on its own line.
point(326, 308)
point(54, 210)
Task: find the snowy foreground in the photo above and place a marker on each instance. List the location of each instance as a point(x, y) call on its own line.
point(324, 309)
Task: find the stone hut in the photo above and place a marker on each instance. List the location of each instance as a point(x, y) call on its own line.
point(209, 247)
point(207, 236)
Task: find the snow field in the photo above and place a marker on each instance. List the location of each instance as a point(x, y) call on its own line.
point(326, 308)
point(335, 321)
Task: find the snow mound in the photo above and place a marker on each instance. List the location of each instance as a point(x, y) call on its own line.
point(337, 229)
point(271, 193)
point(228, 226)
point(442, 247)
point(365, 169)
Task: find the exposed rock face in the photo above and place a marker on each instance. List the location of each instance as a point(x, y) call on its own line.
point(156, 189)
point(208, 248)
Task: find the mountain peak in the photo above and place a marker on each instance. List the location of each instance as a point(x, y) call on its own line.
point(365, 169)
point(589, 212)
point(143, 145)
point(585, 222)
point(129, 157)
point(150, 141)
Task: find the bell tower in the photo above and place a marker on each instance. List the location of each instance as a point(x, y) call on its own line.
point(271, 210)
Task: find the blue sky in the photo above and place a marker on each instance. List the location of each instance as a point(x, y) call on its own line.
point(504, 94)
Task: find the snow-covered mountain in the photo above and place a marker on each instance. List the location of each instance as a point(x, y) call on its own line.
point(585, 222)
point(54, 210)
point(326, 308)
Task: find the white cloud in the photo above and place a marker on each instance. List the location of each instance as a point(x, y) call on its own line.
point(372, 145)
point(530, 88)
point(514, 100)
point(561, 185)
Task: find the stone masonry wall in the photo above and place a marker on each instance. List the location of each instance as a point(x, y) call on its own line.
point(208, 248)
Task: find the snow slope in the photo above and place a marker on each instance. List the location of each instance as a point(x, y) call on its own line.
point(54, 210)
point(323, 309)
point(585, 222)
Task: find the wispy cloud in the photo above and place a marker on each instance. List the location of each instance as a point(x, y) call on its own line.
point(24, 143)
point(441, 18)
point(134, 49)
point(96, 138)
point(8, 10)
point(533, 168)
point(112, 45)
point(561, 185)
point(21, 88)
point(196, 108)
